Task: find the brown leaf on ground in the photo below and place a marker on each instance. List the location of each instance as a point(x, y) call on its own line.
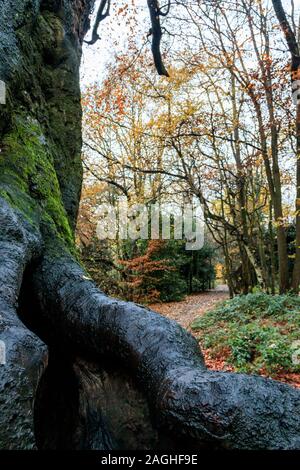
point(196, 305)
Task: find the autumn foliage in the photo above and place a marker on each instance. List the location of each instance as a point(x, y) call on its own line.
point(142, 273)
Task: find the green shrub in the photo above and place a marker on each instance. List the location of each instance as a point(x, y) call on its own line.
point(257, 330)
point(172, 287)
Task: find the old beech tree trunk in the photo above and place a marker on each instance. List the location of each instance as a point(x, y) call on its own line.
point(84, 371)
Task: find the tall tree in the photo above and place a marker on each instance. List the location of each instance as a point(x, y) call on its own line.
point(294, 48)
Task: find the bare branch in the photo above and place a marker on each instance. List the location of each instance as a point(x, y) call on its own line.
point(288, 33)
point(168, 6)
point(156, 33)
point(103, 12)
point(103, 179)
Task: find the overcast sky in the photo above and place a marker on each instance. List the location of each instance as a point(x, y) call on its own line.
point(114, 32)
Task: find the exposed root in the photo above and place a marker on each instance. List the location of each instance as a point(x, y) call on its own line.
point(192, 404)
point(25, 354)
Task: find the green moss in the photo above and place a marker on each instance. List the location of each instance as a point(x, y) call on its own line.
point(29, 179)
point(16, 198)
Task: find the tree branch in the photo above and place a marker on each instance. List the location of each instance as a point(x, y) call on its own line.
point(156, 33)
point(165, 13)
point(103, 12)
point(288, 33)
point(109, 181)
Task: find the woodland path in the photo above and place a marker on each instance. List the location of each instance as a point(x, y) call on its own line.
point(193, 306)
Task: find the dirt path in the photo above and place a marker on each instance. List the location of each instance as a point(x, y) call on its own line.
point(193, 306)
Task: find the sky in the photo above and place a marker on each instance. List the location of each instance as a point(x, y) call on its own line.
point(114, 32)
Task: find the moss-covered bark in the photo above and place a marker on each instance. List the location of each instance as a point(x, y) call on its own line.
point(40, 177)
point(41, 124)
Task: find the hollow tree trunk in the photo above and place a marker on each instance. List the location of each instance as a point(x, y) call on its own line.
point(118, 375)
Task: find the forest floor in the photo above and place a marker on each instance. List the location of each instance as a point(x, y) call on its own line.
point(193, 306)
point(196, 305)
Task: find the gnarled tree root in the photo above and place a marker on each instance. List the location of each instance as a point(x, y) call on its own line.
point(23, 355)
point(119, 375)
point(188, 403)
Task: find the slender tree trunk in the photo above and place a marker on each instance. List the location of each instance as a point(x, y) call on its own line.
point(263, 260)
point(241, 186)
point(294, 48)
point(228, 272)
point(273, 172)
point(274, 183)
point(296, 271)
point(272, 252)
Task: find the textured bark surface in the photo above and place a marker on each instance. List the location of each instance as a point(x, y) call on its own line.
point(26, 356)
point(193, 405)
point(119, 375)
point(40, 177)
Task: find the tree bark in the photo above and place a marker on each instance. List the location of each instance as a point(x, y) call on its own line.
point(296, 270)
point(294, 49)
point(110, 362)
